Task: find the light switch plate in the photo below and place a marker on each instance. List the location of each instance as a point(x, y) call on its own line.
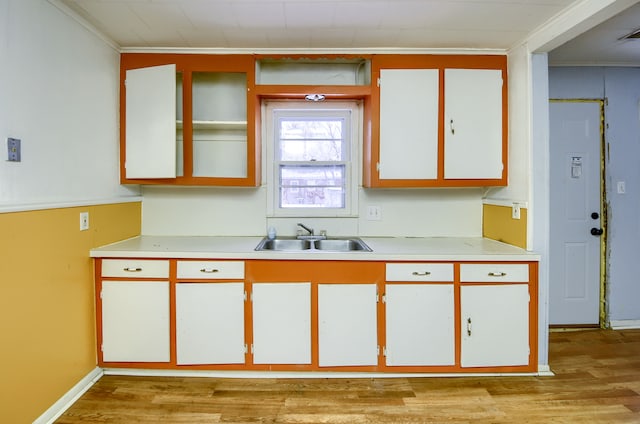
point(13, 149)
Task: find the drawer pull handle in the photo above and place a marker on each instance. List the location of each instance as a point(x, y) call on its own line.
point(468, 326)
point(497, 274)
point(421, 274)
point(127, 269)
point(209, 270)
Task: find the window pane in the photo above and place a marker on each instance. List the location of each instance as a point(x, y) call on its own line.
point(312, 186)
point(306, 140)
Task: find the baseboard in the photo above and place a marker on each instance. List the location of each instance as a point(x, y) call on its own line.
point(58, 408)
point(625, 324)
point(136, 372)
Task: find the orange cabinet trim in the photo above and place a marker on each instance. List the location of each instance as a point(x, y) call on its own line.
point(327, 272)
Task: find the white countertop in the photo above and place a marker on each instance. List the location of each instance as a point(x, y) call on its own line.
point(384, 248)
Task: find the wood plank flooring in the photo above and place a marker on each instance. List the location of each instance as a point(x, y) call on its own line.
point(597, 381)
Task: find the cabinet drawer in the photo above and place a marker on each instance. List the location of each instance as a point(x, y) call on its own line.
point(481, 273)
point(135, 268)
point(211, 270)
point(419, 272)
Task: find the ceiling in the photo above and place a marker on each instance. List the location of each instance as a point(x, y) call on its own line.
point(604, 44)
point(352, 24)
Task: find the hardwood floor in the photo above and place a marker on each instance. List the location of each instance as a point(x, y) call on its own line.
point(597, 381)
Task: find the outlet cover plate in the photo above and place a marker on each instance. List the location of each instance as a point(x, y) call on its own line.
point(374, 213)
point(84, 221)
point(515, 211)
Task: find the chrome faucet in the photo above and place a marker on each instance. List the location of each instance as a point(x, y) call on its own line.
point(309, 230)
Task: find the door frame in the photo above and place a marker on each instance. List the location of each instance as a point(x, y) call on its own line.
point(604, 216)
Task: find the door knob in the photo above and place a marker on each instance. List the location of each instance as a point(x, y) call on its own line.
point(595, 215)
point(596, 231)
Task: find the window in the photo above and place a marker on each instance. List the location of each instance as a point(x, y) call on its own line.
point(312, 158)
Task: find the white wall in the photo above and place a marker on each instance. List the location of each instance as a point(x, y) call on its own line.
point(519, 130)
point(59, 86)
point(243, 211)
point(621, 87)
point(538, 225)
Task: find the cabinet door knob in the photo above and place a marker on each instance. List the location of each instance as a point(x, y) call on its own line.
point(597, 231)
point(468, 326)
point(497, 274)
point(209, 270)
point(453, 130)
point(421, 274)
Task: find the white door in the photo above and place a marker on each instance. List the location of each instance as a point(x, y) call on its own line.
point(150, 127)
point(420, 324)
point(281, 323)
point(347, 325)
point(135, 321)
point(494, 325)
point(574, 260)
point(473, 124)
point(409, 123)
point(210, 323)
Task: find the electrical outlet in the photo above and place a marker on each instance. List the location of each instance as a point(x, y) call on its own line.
point(374, 213)
point(515, 211)
point(13, 149)
point(84, 221)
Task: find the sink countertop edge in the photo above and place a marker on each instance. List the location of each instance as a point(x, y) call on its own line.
point(384, 248)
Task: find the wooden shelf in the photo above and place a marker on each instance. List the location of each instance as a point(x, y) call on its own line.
point(216, 125)
point(299, 91)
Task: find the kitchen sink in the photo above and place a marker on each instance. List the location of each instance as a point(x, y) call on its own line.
point(342, 245)
point(284, 244)
point(332, 244)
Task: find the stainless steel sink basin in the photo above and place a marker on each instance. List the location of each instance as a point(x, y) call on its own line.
point(342, 245)
point(292, 244)
point(284, 244)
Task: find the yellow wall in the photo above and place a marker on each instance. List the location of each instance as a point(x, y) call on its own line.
point(497, 224)
point(47, 301)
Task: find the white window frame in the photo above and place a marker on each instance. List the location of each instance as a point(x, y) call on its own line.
point(353, 161)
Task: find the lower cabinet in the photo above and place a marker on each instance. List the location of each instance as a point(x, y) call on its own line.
point(318, 315)
point(281, 323)
point(495, 325)
point(210, 323)
point(347, 325)
point(135, 321)
point(419, 324)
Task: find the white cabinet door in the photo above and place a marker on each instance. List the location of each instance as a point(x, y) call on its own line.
point(281, 323)
point(409, 124)
point(473, 124)
point(495, 325)
point(347, 325)
point(420, 324)
point(135, 321)
point(210, 323)
point(150, 127)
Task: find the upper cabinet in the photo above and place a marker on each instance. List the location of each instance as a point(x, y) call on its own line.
point(437, 121)
point(428, 120)
point(189, 120)
point(325, 77)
